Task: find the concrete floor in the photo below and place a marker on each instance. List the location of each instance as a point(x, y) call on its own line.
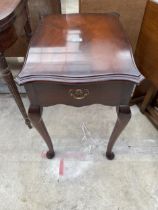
point(87, 180)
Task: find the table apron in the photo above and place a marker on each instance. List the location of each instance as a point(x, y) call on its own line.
point(109, 93)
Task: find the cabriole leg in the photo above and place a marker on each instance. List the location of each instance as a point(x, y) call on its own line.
point(35, 114)
point(123, 117)
point(8, 77)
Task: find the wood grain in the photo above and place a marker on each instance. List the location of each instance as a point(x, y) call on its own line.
point(80, 60)
point(80, 48)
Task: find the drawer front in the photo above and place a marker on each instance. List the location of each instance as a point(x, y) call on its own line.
point(107, 93)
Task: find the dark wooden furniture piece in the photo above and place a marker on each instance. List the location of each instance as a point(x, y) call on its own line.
point(80, 60)
point(131, 16)
point(13, 18)
point(147, 58)
point(37, 8)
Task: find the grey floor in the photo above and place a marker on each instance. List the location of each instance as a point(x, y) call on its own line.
point(79, 177)
point(28, 181)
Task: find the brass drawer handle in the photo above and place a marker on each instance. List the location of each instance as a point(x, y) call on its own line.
point(79, 94)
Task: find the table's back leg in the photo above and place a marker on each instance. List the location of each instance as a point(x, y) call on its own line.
point(35, 114)
point(124, 115)
point(8, 77)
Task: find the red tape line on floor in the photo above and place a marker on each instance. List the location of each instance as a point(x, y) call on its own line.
point(61, 167)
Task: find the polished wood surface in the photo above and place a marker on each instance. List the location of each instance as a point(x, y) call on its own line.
point(147, 58)
point(80, 60)
point(131, 13)
point(13, 19)
point(80, 48)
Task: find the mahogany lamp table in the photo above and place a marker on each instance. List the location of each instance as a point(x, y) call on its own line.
point(14, 18)
point(79, 60)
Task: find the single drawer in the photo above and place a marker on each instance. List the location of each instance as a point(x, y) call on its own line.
point(107, 93)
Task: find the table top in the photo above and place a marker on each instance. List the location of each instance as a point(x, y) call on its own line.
point(79, 48)
point(7, 7)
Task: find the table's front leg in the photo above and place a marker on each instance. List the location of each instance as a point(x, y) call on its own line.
point(123, 117)
point(8, 77)
point(35, 114)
